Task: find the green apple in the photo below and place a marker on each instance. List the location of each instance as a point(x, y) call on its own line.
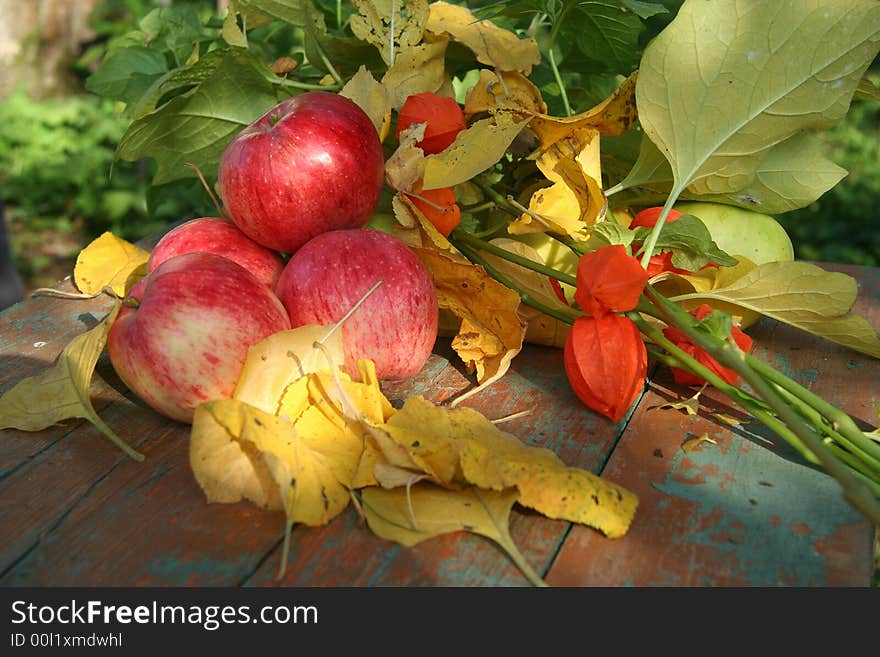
point(758, 237)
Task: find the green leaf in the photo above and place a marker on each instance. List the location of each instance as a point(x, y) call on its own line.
point(196, 126)
point(411, 515)
point(127, 74)
point(605, 233)
point(793, 174)
point(606, 33)
point(715, 94)
point(802, 295)
point(867, 90)
point(690, 242)
point(645, 10)
point(175, 29)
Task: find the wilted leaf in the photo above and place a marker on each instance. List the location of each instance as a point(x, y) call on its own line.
point(493, 459)
point(280, 359)
point(802, 295)
point(474, 150)
point(372, 97)
point(410, 517)
point(696, 442)
point(612, 117)
point(575, 200)
point(715, 113)
point(491, 331)
point(239, 452)
point(61, 392)
point(406, 165)
point(510, 90)
point(727, 419)
point(492, 45)
point(391, 26)
point(109, 261)
point(690, 406)
point(417, 69)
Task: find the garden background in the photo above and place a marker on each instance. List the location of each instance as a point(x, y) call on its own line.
point(57, 143)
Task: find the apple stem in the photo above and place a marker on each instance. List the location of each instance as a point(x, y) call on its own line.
point(207, 188)
point(351, 311)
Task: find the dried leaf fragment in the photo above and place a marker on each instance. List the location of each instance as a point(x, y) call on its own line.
point(390, 25)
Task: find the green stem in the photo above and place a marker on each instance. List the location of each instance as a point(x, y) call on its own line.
point(460, 237)
point(729, 355)
point(558, 77)
point(307, 86)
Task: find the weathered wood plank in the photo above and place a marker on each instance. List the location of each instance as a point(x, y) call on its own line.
point(742, 512)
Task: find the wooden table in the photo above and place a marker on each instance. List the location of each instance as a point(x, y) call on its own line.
point(740, 512)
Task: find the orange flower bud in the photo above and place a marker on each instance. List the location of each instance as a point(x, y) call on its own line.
point(438, 206)
point(443, 115)
point(606, 363)
point(685, 378)
point(609, 279)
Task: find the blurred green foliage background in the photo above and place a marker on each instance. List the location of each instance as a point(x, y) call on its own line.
point(61, 186)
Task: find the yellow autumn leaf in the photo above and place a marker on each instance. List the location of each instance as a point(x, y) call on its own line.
point(372, 97)
point(391, 26)
point(696, 442)
point(462, 446)
point(612, 117)
point(109, 261)
point(422, 233)
point(507, 90)
point(406, 165)
point(61, 392)
point(491, 44)
point(491, 331)
point(411, 516)
point(574, 201)
point(277, 361)
point(239, 452)
point(474, 150)
point(416, 70)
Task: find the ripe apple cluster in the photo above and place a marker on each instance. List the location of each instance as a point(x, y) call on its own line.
point(298, 185)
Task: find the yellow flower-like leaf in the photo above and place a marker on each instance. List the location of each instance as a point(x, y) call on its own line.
point(109, 261)
point(411, 516)
point(277, 361)
point(462, 446)
point(61, 392)
point(372, 97)
point(509, 90)
point(415, 70)
point(612, 117)
point(575, 200)
point(492, 45)
point(491, 331)
point(474, 150)
point(390, 26)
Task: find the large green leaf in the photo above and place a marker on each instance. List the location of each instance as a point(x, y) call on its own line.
point(196, 126)
point(802, 295)
point(607, 33)
point(127, 73)
point(728, 79)
point(793, 174)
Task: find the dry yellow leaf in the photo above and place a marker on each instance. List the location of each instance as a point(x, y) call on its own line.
point(411, 516)
point(61, 392)
point(509, 90)
point(109, 261)
point(696, 442)
point(491, 331)
point(276, 362)
point(474, 150)
point(492, 45)
point(406, 165)
point(612, 117)
point(461, 446)
point(574, 201)
point(372, 97)
point(391, 26)
point(415, 70)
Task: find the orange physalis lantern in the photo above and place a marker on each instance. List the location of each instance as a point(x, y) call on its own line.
point(444, 118)
point(609, 279)
point(438, 206)
point(685, 378)
point(606, 363)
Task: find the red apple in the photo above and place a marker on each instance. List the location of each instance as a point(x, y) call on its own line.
point(310, 164)
point(397, 324)
point(183, 332)
point(221, 237)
